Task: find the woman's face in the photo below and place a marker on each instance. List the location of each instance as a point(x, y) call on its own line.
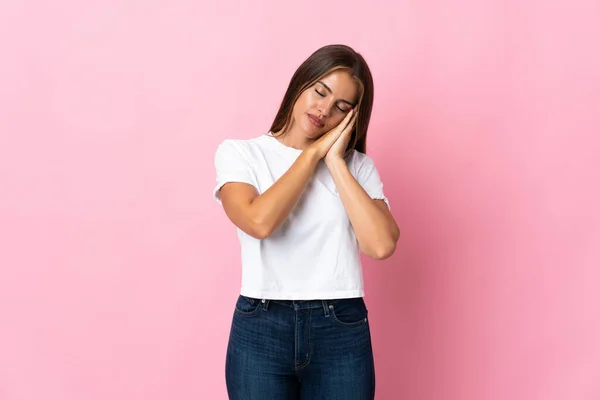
point(324, 105)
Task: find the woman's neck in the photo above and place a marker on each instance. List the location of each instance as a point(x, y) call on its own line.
point(294, 138)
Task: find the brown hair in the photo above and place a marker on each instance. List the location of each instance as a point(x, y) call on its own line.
point(322, 62)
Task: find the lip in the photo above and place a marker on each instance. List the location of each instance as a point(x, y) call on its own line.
point(315, 121)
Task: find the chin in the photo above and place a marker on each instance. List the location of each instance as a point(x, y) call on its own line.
point(313, 132)
point(313, 135)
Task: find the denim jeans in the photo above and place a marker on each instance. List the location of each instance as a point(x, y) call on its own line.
point(291, 349)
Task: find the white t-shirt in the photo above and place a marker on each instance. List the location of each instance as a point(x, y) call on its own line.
point(313, 254)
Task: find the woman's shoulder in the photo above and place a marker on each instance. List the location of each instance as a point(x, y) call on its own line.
point(358, 159)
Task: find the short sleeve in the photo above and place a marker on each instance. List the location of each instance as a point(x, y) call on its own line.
point(368, 177)
point(231, 165)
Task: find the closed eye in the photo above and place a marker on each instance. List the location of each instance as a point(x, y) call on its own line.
point(346, 106)
point(337, 106)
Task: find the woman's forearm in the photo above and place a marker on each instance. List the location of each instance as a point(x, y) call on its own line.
point(376, 231)
point(268, 211)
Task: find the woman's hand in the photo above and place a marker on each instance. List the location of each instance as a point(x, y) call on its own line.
point(338, 150)
point(322, 146)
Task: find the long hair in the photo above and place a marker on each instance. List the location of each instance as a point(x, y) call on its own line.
point(322, 62)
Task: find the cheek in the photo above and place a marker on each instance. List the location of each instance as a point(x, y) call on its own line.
point(304, 100)
point(334, 121)
point(296, 112)
point(301, 106)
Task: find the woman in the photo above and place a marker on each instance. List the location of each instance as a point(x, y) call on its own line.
point(306, 199)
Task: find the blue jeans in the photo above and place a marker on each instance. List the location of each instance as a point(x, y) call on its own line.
point(291, 349)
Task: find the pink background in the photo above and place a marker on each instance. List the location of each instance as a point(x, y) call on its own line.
point(119, 272)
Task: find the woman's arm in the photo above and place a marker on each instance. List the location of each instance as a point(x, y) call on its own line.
point(260, 215)
point(373, 223)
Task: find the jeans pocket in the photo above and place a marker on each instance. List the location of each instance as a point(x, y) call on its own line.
point(349, 312)
point(247, 306)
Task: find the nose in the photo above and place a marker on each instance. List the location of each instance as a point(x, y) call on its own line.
point(325, 108)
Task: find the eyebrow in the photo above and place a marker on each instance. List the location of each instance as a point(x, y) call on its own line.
point(330, 91)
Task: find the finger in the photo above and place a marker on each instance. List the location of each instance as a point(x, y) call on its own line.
point(351, 113)
point(331, 137)
point(354, 116)
point(351, 123)
point(347, 119)
point(342, 126)
point(340, 129)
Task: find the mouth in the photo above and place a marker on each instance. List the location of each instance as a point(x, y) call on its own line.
point(315, 121)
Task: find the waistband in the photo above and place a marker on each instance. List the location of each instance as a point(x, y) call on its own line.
point(299, 304)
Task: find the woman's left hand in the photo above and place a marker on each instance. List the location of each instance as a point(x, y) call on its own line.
point(338, 149)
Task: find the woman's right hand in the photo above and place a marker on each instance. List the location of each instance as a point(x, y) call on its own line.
point(322, 145)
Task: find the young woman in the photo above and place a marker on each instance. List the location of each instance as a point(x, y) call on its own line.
point(306, 199)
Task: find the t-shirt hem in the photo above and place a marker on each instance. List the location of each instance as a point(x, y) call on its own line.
point(385, 199)
point(338, 294)
point(222, 182)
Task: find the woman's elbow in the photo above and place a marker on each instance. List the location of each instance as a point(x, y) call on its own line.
point(382, 251)
point(385, 252)
point(260, 231)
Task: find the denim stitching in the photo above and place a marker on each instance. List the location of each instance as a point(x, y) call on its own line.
point(296, 338)
point(247, 314)
point(348, 324)
point(307, 343)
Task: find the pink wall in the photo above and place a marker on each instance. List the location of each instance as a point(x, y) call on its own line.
point(119, 273)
